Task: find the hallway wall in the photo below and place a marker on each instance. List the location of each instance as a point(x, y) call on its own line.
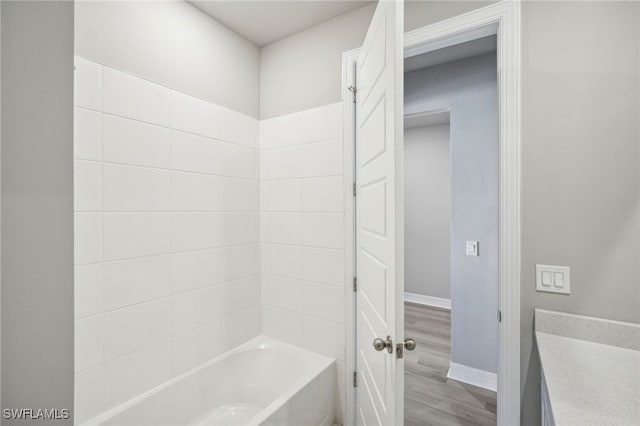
point(427, 236)
point(468, 88)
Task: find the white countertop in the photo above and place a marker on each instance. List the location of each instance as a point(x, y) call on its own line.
point(590, 383)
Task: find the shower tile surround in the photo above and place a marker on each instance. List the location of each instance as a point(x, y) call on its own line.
point(196, 229)
point(302, 232)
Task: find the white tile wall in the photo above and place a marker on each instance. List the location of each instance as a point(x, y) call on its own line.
point(195, 192)
point(322, 194)
point(194, 115)
point(194, 153)
point(87, 181)
point(89, 392)
point(88, 238)
point(282, 260)
point(136, 372)
point(89, 342)
point(126, 141)
point(87, 91)
point(88, 290)
point(128, 96)
point(282, 227)
point(135, 234)
point(166, 231)
point(302, 226)
point(135, 189)
point(197, 225)
point(136, 327)
point(323, 230)
point(203, 343)
point(238, 161)
point(131, 281)
point(323, 265)
point(281, 195)
point(237, 128)
point(87, 134)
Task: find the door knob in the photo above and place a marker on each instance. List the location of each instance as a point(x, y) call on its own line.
point(379, 344)
point(409, 344)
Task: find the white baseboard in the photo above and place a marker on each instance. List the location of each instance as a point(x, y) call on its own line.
point(473, 376)
point(427, 300)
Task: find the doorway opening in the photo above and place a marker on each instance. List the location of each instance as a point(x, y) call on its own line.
point(382, 377)
point(451, 234)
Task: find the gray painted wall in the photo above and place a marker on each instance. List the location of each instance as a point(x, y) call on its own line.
point(580, 97)
point(174, 44)
point(427, 214)
point(37, 206)
point(580, 111)
point(468, 88)
point(304, 70)
point(580, 165)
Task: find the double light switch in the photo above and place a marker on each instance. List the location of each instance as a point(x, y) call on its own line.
point(553, 279)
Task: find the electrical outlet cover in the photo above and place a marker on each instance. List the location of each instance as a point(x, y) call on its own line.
point(553, 279)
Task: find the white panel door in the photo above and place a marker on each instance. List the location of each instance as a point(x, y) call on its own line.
point(379, 219)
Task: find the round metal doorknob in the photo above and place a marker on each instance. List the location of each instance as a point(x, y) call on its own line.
point(379, 344)
point(409, 344)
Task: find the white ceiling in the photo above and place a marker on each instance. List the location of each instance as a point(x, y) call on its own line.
point(265, 21)
point(451, 53)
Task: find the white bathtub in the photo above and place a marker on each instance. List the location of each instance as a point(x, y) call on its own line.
point(262, 382)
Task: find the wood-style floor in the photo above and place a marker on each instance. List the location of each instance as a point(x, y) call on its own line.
point(430, 398)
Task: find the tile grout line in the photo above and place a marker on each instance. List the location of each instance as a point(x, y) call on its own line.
point(168, 339)
point(102, 278)
point(171, 198)
point(179, 293)
point(146, 256)
point(302, 237)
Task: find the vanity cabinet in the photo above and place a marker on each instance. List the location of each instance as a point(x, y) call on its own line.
point(585, 370)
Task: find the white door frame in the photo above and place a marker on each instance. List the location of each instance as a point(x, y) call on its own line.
point(502, 19)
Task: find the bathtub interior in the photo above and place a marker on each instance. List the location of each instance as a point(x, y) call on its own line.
point(263, 381)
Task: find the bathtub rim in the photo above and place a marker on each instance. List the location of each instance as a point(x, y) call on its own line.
point(259, 342)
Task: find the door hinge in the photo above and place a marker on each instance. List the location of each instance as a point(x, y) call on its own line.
point(354, 189)
point(355, 283)
point(499, 316)
point(355, 379)
point(353, 91)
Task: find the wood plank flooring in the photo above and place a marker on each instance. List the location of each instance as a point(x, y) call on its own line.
point(430, 398)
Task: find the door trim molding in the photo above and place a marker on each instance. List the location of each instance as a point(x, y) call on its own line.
point(349, 60)
point(503, 19)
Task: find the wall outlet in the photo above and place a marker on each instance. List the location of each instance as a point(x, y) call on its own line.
point(553, 279)
point(473, 248)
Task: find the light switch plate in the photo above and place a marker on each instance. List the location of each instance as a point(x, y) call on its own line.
point(473, 248)
point(553, 279)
